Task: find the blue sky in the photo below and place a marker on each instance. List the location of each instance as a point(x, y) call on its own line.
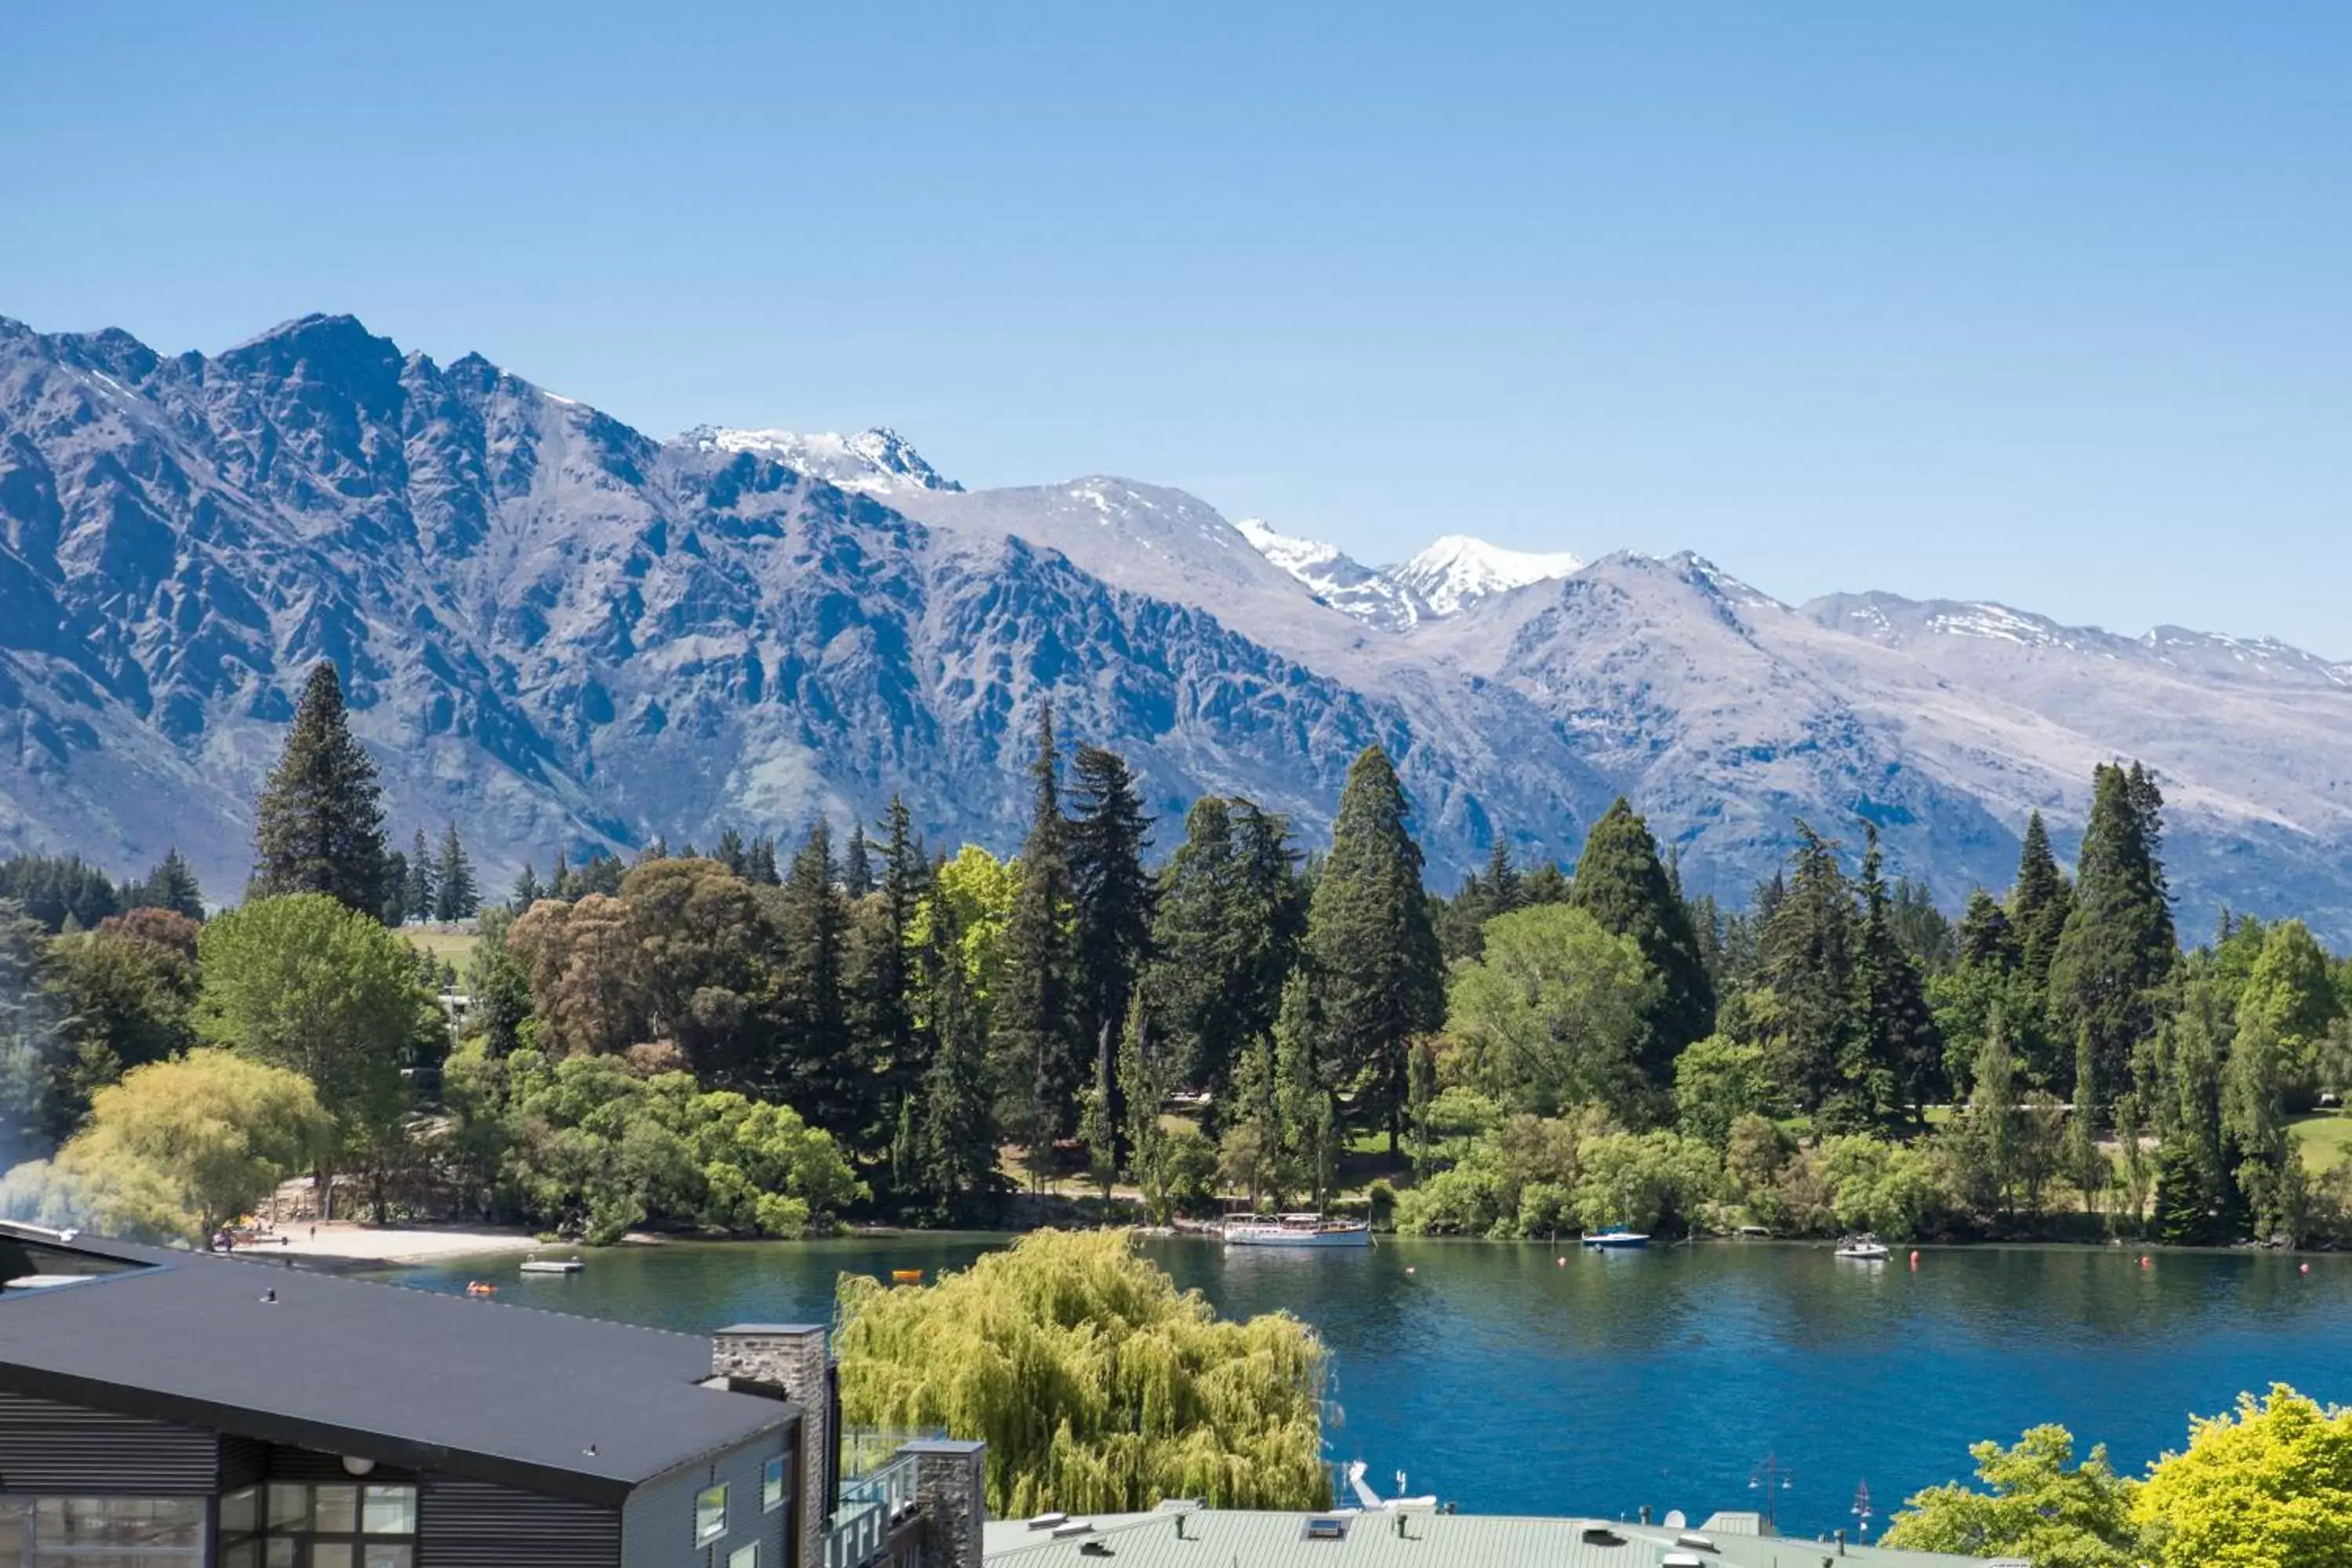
point(2041, 301)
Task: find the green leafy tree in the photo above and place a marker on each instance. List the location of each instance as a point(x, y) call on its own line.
point(2270, 1486)
point(1309, 1118)
point(2290, 992)
point(1097, 1121)
point(1145, 1082)
point(1256, 1153)
point(1621, 884)
point(319, 827)
point(455, 894)
point(1032, 1022)
point(304, 982)
point(1374, 951)
point(33, 1044)
point(2038, 1506)
point(179, 1148)
point(128, 993)
point(2119, 948)
point(1097, 1385)
point(1719, 1081)
point(1556, 1015)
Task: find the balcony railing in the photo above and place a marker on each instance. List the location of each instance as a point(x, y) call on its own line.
point(871, 1506)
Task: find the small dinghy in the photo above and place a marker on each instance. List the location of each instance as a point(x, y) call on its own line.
point(552, 1265)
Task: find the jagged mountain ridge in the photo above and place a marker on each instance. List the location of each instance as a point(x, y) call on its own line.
point(559, 631)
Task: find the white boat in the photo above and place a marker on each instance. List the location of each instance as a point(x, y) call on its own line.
point(1616, 1239)
point(1863, 1249)
point(1296, 1230)
point(552, 1265)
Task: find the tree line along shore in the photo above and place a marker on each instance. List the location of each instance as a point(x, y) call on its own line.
point(759, 1038)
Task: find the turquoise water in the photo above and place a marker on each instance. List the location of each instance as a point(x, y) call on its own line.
point(1505, 1381)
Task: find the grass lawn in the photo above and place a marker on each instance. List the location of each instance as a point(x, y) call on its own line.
point(444, 942)
point(2326, 1137)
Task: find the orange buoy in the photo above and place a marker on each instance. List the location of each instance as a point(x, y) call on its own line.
point(906, 1276)
point(2144, 1263)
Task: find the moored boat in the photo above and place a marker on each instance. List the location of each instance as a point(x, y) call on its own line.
point(552, 1265)
point(1616, 1239)
point(1863, 1248)
point(1296, 1230)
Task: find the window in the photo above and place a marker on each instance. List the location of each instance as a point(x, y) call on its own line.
point(101, 1533)
point(744, 1556)
point(342, 1525)
point(709, 1514)
point(772, 1485)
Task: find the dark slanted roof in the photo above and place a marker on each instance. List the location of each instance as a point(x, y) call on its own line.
point(572, 1407)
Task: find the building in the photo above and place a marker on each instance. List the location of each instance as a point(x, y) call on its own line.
point(178, 1409)
point(1185, 1535)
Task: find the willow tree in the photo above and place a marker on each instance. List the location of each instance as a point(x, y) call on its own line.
point(1098, 1386)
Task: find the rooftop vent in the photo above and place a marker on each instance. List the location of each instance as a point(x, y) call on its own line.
point(1048, 1520)
point(1601, 1535)
point(1682, 1559)
point(1694, 1542)
point(1073, 1528)
point(1326, 1527)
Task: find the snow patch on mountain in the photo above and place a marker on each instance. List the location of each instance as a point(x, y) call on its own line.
point(1457, 571)
point(877, 462)
point(1337, 578)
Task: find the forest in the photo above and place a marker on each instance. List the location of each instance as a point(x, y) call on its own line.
point(761, 1038)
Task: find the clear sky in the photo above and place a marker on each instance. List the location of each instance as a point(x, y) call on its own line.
point(2040, 301)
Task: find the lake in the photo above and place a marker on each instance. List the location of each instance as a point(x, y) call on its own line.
point(1505, 1381)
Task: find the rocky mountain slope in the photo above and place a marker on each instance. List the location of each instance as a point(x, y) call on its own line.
point(561, 632)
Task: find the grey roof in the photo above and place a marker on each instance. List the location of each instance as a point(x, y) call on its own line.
point(573, 1406)
point(1215, 1538)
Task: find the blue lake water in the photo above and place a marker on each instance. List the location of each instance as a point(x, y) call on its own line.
point(1502, 1379)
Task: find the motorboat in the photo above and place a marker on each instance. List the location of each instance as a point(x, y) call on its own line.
point(552, 1265)
point(1616, 1239)
point(1296, 1230)
point(1863, 1248)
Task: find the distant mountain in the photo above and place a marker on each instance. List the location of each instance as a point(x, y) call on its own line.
point(560, 633)
point(875, 462)
point(1457, 571)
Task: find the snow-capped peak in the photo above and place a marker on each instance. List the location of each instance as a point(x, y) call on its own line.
point(877, 461)
point(1335, 577)
point(1457, 571)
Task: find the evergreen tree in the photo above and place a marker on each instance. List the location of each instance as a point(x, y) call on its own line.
point(1374, 953)
point(882, 974)
point(395, 889)
point(2196, 1201)
point(1986, 939)
point(456, 898)
point(1145, 1083)
point(319, 826)
point(2119, 947)
point(1807, 960)
point(1032, 1024)
point(424, 884)
point(955, 1138)
point(826, 1085)
point(1098, 1121)
point(856, 863)
point(172, 884)
point(732, 853)
point(1903, 1046)
point(761, 863)
point(1992, 1113)
point(2087, 1166)
point(2038, 903)
point(1308, 1118)
point(1621, 883)
point(527, 891)
point(1111, 892)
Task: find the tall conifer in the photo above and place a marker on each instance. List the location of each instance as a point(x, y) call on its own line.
point(1903, 1041)
point(455, 895)
point(1809, 961)
point(955, 1126)
point(319, 826)
point(1374, 952)
point(1031, 1033)
point(1110, 892)
point(1620, 882)
point(826, 1084)
point(2119, 947)
point(423, 881)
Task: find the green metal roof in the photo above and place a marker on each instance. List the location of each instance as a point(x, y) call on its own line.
point(1220, 1537)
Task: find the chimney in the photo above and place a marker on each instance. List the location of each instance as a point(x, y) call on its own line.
point(792, 1357)
point(951, 1487)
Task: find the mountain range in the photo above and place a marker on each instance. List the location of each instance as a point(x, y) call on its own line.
point(561, 633)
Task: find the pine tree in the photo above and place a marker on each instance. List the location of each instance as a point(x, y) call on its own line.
point(456, 898)
point(856, 863)
point(1903, 1045)
point(424, 881)
point(1620, 882)
point(732, 853)
point(1031, 1026)
point(1809, 962)
point(527, 891)
point(955, 1129)
point(883, 975)
point(761, 863)
point(1986, 938)
point(395, 889)
point(2119, 947)
point(1111, 892)
point(2196, 1201)
point(1144, 1086)
point(172, 884)
point(319, 826)
point(826, 1085)
point(1374, 952)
